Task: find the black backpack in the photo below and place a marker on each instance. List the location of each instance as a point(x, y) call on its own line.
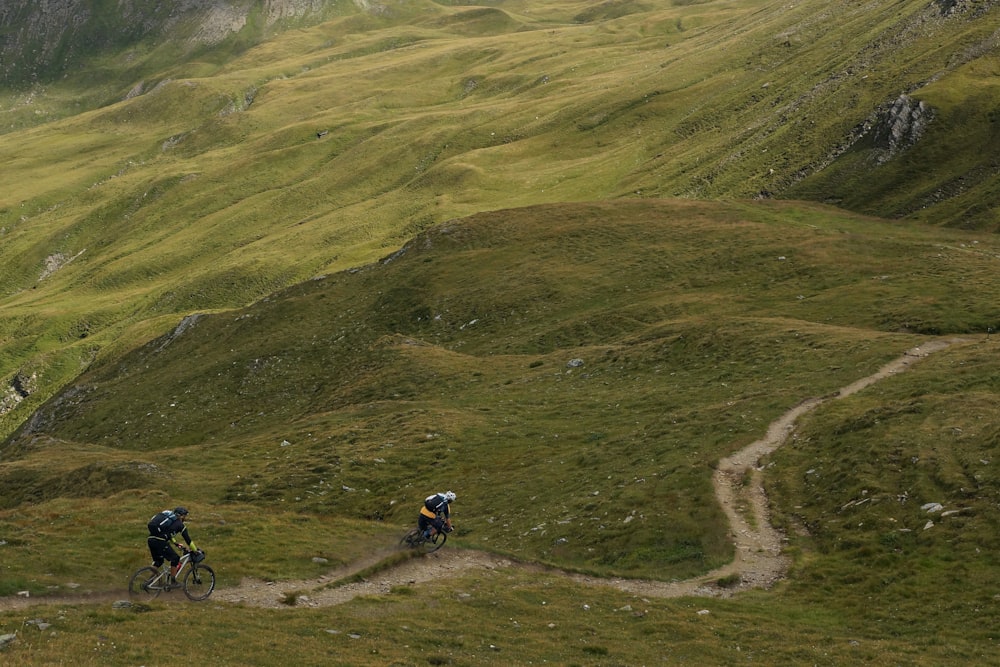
point(161, 522)
point(436, 503)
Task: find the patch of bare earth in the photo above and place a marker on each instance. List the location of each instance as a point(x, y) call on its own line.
point(758, 563)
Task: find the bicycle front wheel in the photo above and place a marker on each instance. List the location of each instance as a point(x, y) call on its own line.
point(199, 582)
point(142, 584)
point(434, 542)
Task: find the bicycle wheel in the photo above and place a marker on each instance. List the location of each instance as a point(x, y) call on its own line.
point(138, 585)
point(434, 542)
point(412, 539)
point(199, 582)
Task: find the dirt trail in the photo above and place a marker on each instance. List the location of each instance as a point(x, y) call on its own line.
point(758, 562)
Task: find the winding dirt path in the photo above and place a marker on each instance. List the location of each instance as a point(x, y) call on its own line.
point(758, 563)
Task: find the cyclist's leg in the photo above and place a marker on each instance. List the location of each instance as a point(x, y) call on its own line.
point(156, 545)
point(175, 562)
point(423, 523)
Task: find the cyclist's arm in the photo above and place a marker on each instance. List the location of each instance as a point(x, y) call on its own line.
point(187, 538)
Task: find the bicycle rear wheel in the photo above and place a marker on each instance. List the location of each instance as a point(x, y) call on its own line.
point(412, 539)
point(199, 582)
point(138, 585)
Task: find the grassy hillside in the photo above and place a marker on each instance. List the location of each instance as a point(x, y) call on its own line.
point(213, 187)
point(547, 255)
point(318, 418)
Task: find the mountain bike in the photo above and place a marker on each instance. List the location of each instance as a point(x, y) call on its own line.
point(196, 578)
point(428, 541)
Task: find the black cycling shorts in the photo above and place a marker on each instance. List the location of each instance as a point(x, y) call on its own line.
point(160, 550)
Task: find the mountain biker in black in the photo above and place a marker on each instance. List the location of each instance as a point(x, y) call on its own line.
point(164, 527)
point(436, 513)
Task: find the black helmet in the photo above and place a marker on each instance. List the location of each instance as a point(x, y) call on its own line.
point(182, 511)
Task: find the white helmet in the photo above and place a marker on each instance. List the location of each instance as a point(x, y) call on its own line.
point(449, 496)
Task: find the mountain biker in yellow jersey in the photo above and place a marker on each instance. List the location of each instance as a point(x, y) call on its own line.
point(436, 513)
point(164, 527)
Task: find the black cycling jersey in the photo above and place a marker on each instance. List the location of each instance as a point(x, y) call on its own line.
point(166, 524)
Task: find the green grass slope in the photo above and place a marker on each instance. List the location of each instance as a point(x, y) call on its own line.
point(214, 186)
point(312, 423)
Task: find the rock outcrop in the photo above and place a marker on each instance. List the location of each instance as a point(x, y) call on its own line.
point(901, 126)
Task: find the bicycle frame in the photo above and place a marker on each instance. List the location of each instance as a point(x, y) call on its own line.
point(197, 582)
point(158, 581)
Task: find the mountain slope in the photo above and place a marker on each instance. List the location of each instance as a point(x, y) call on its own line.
point(690, 330)
point(575, 372)
point(533, 252)
point(218, 181)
